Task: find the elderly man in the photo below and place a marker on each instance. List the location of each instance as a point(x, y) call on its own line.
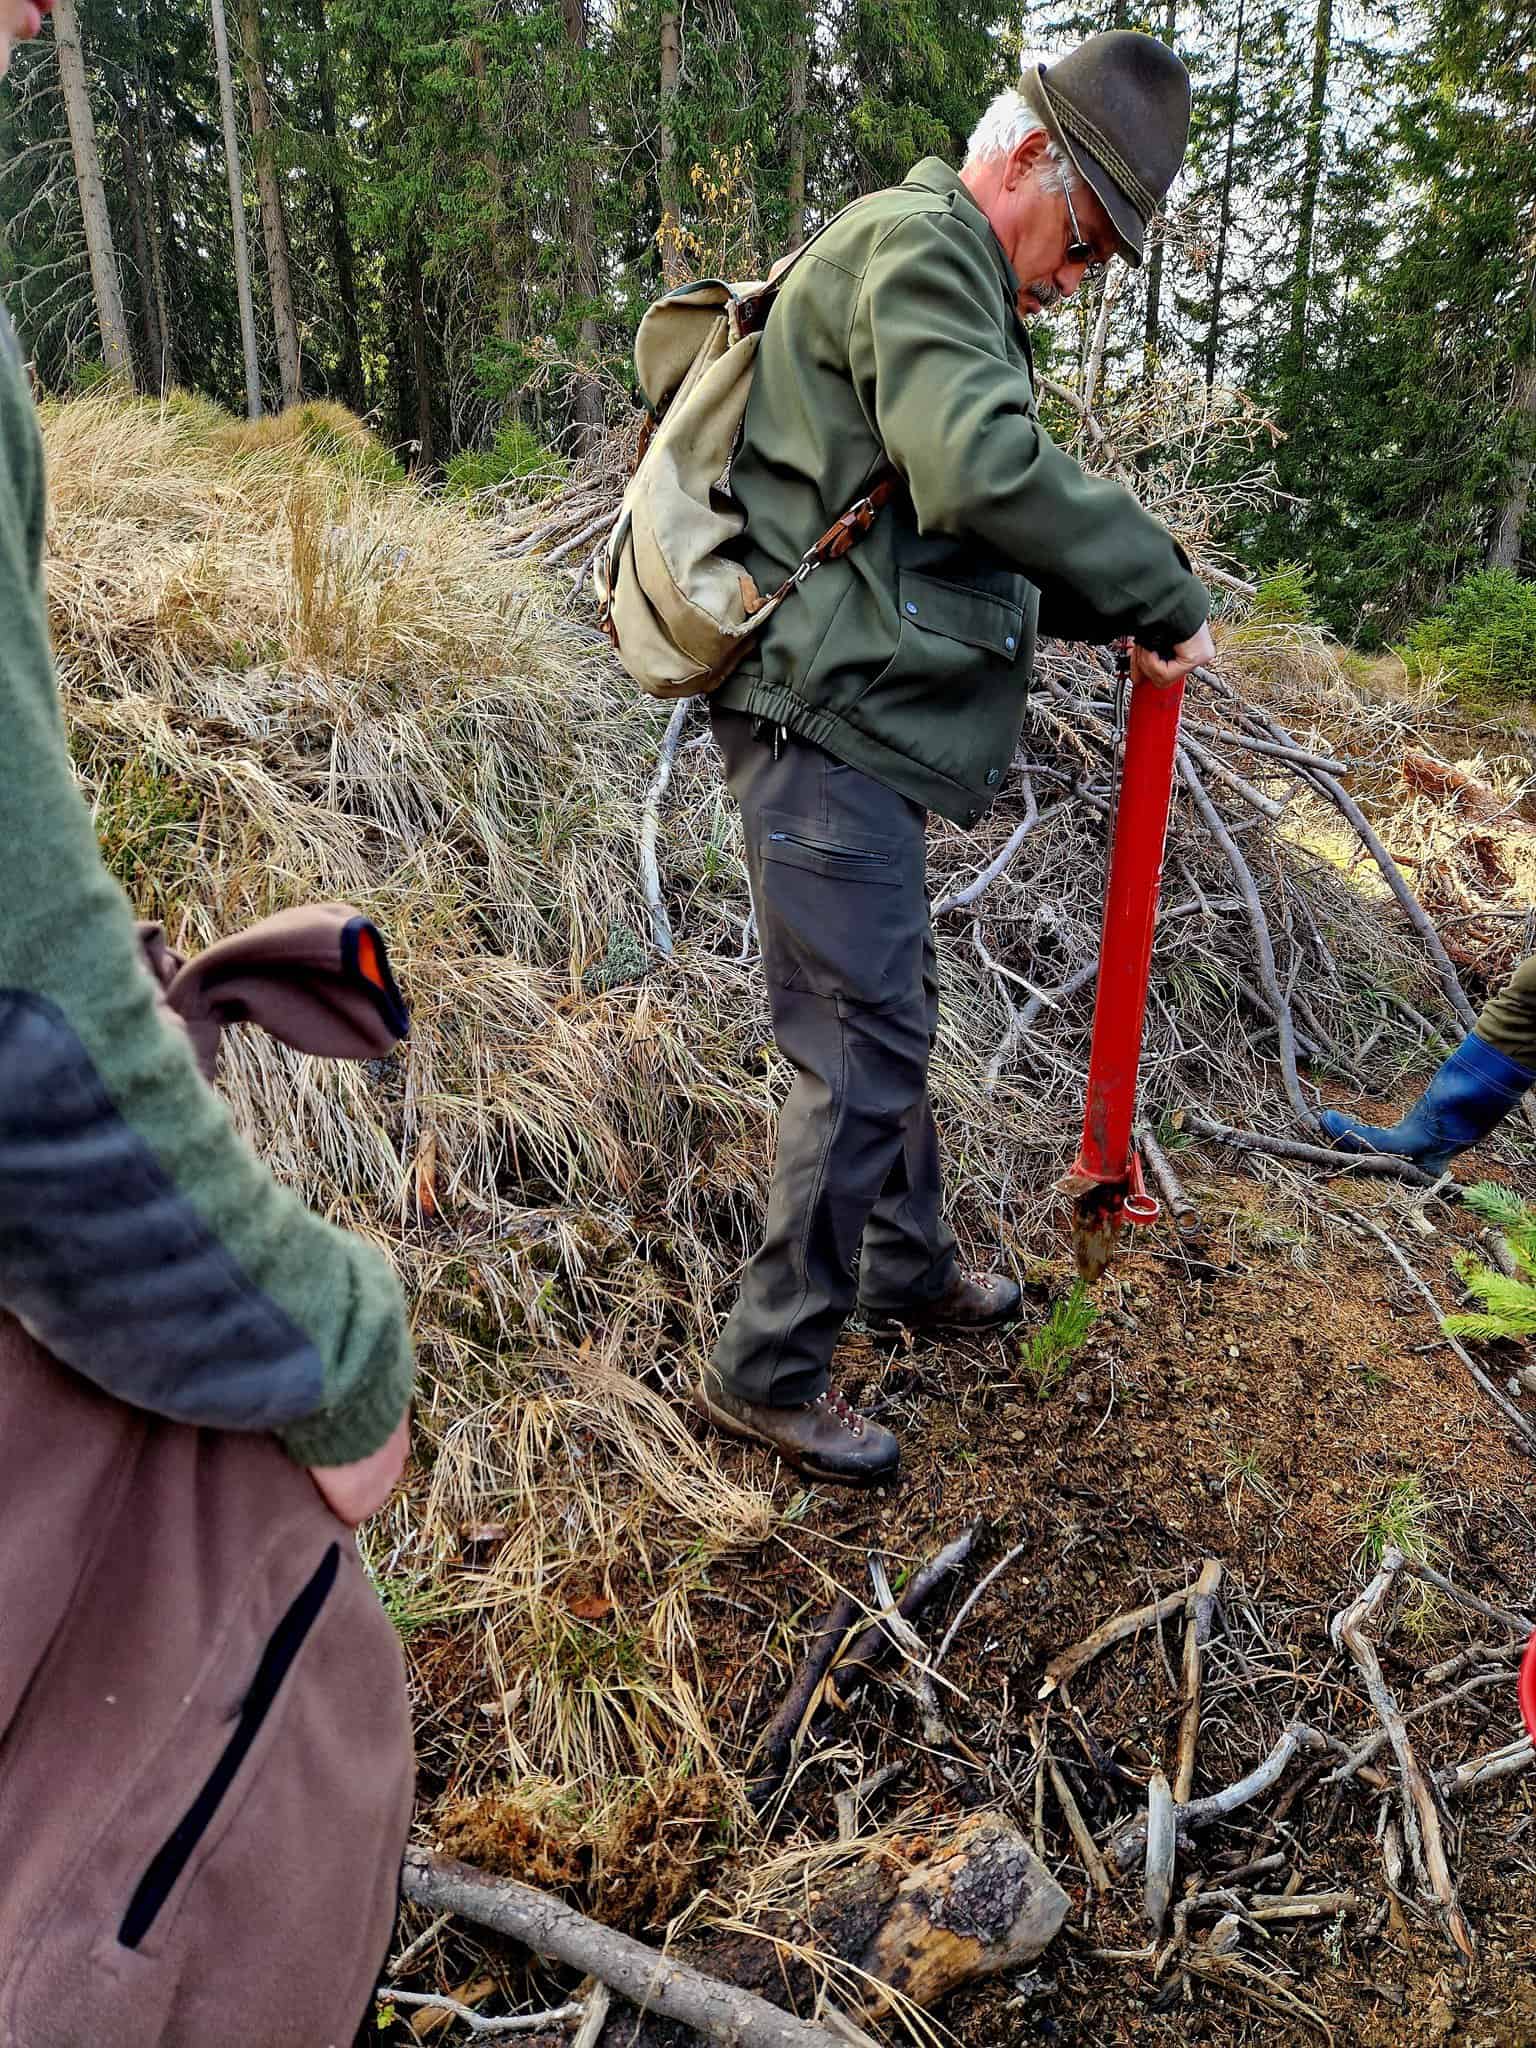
point(893, 683)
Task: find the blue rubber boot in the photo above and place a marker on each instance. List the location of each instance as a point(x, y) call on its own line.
point(1475, 1090)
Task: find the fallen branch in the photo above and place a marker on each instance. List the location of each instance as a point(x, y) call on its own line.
point(650, 825)
point(655, 1983)
point(872, 1643)
point(1185, 1215)
point(1130, 1846)
point(1197, 1631)
point(1269, 976)
point(1378, 1164)
point(516, 2023)
point(1421, 1817)
point(778, 1740)
point(1066, 1662)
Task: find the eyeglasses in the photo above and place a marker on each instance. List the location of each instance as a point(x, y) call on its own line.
point(1079, 251)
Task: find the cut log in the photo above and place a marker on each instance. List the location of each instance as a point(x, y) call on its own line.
point(912, 1921)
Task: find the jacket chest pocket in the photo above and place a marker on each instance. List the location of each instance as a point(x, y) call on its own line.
point(932, 610)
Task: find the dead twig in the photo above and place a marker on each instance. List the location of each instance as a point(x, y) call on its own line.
point(517, 2023)
point(1498, 1763)
point(588, 2033)
point(1077, 1827)
point(1421, 1817)
point(971, 1598)
point(1264, 945)
point(1520, 1623)
point(1160, 1853)
point(650, 825)
point(1130, 1846)
point(1063, 1665)
point(1198, 1614)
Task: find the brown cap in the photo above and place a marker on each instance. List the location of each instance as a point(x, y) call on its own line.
point(1118, 108)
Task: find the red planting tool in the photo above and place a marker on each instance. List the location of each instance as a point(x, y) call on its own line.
point(1528, 1688)
point(1106, 1177)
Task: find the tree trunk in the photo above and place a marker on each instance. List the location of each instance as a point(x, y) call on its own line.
point(130, 138)
point(1504, 551)
point(980, 1904)
point(165, 357)
point(421, 362)
point(116, 349)
point(274, 224)
point(498, 238)
point(237, 213)
point(1154, 327)
point(1224, 222)
point(799, 91)
point(587, 398)
point(1311, 178)
point(159, 219)
point(674, 266)
point(354, 384)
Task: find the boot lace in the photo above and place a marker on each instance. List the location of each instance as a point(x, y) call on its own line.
point(835, 1406)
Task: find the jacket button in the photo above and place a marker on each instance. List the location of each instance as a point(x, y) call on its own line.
point(992, 777)
point(1010, 643)
point(911, 610)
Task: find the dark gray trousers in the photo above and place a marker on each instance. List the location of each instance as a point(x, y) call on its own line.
point(836, 865)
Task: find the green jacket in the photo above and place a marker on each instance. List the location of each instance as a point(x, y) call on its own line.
point(897, 337)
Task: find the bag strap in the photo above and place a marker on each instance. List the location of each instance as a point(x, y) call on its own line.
point(843, 534)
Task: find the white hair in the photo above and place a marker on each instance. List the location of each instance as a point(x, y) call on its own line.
point(1011, 120)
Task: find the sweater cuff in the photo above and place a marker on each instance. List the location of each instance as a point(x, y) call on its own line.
point(362, 1421)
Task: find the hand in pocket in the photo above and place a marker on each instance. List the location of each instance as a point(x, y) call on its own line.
point(354, 1492)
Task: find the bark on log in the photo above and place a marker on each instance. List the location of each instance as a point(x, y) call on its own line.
point(714, 2011)
point(917, 1920)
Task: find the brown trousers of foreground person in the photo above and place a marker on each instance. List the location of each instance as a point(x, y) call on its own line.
point(205, 1746)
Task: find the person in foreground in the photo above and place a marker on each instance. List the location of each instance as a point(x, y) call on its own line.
point(1478, 1086)
point(205, 1748)
point(893, 682)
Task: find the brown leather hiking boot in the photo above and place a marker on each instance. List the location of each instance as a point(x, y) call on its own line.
point(971, 1301)
point(821, 1439)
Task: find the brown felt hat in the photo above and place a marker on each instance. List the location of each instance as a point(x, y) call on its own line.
point(1118, 108)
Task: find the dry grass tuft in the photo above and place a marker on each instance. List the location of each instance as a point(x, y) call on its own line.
point(286, 679)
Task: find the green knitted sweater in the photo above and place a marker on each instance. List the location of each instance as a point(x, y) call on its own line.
point(140, 1238)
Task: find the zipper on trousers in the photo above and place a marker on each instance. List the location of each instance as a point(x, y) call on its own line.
point(173, 1855)
point(851, 854)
